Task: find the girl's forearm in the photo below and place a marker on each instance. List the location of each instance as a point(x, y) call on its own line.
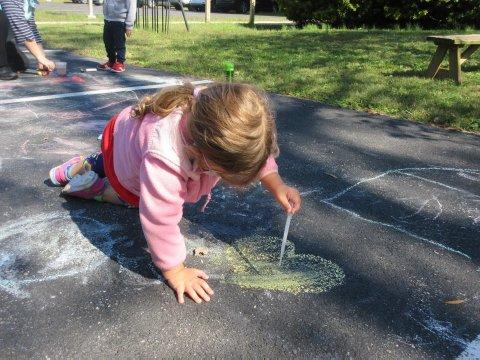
point(272, 182)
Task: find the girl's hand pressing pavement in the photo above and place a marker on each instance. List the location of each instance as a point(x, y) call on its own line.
point(188, 281)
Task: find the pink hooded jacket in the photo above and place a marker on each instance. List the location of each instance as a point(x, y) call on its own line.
point(150, 161)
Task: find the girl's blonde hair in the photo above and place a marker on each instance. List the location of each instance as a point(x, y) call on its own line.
point(231, 125)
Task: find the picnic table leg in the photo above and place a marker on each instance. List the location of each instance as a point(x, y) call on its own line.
point(436, 61)
point(468, 52)
point(455, 64)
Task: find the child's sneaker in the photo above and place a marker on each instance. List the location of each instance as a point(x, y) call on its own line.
point(105, 66)
point(86, 186)
point(118, 67)
point(59, 174)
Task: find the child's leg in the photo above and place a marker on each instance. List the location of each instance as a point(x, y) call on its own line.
point(109, 41)
point(119, 41)
point(94, 162)
point(62, 174)
point(90, 182)
point(92, 187)
point(111, 196)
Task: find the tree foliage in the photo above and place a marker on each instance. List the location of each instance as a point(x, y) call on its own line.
point(384, 13)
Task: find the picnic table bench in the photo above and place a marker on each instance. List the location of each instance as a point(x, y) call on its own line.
point(453, 44)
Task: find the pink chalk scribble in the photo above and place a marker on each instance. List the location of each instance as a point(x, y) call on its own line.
point(65, 79)
point(69, 147)
point(69, 115)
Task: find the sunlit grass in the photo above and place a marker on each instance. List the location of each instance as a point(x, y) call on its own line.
point(62, 16)
point(377, 71)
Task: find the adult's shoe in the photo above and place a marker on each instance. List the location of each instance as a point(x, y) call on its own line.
point(7, 74)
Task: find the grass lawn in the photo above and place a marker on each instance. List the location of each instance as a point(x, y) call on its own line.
point(62, 16)
point(372, 70)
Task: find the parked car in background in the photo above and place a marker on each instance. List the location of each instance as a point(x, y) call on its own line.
point(149, 3)
point(176, 4)
point(196, 5)
point(243, 6)
point(164, 3)
point(199, 5)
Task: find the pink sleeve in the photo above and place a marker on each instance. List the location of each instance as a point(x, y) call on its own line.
point(269, 167)
point(161, 207)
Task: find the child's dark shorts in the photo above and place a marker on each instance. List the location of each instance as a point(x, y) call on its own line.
point(95, 161)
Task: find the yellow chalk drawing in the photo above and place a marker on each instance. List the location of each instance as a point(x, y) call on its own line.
point(253, 263)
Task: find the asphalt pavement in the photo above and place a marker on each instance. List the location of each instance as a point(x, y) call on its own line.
point(384, 255)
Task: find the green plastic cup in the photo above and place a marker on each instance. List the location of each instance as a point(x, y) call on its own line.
point(229, 69)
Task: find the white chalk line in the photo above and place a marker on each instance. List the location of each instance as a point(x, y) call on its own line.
point(420, 209)
point(305, 193)
point(445, 331)
point(97, 92)
point(441, 184)
point(402, 171)
point(472, 351)
point(439, 328)
point(469, 177)
point(354, 214)
point(328, 201)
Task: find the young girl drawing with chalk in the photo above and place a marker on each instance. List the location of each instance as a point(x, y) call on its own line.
point(171, 148)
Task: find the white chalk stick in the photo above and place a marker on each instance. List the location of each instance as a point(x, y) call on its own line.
point(284, 240)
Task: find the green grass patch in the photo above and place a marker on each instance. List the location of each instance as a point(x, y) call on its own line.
point(370, 70)
point(62, 16)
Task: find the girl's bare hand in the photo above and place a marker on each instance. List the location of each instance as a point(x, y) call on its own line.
point(289, 198)
point(189, 281)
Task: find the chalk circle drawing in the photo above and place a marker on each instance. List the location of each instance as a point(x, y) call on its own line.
point(252, 262)
point(435, 205)
point(48, 247)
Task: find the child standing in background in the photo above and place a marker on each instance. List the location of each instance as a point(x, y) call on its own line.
point(119, 19)
point(171, 148)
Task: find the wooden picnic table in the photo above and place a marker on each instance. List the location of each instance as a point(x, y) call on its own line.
point(453, 44)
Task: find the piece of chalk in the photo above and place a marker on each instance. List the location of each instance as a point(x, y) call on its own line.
point(284, 240)
point(36, 72)
point(89, 69)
